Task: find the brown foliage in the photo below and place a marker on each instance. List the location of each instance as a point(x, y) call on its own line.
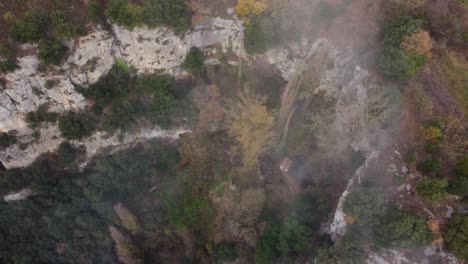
point(123, 247)
point(128, 220)
point(211, 113)
point(419, 43)
point(238, 215)
point(412, 4)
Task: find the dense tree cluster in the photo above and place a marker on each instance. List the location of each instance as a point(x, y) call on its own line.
point(174, 14)
point(432, 189)
point(456, 236)
point(194, 61)
point(40, 116)
point(7, 58)
point(68, 217)
point(6, 140)
point(406, 47)
point(382, 223)
point(123, 100)
point(49, 29)
point(459, 185)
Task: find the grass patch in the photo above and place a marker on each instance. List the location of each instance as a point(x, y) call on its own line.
point(453, 71)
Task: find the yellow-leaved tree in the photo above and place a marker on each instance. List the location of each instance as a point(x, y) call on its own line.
point(251, 123)
point(247, 8)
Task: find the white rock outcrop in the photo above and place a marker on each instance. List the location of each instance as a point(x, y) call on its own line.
point(18, 196)
point(19, 156)
point(150, 50)
point(92, 56)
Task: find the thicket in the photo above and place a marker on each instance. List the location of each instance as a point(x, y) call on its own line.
point(68, 154)
point(192, 211)
point(7, 58)
point(286, 239)
point(380, 222)
point(68, 217)
point(459, 185)
point(432, 189)
point(49, 28)
point(264, 32)
point(31, 27)
point(193, 62)
point(122, 100)
point(174, 14)
point(40, 116)
point(226, 251)
point(6, 140)
point(51, 51)
point(456, 236)
point(95, 11)
point(396, 62)
point(77, 125)
point(62, 27)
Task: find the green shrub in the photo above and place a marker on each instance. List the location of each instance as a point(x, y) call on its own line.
point(255, 40)
point(172, 13)
point(6, 140)
point(67, 154)
point(62, 27)
point(193, 62)
point(95, 11)
point(462, 167)
point(41, 115)
point(76, 126)
point(456, 236)
point(432, 165)
point(396, 63)
point(114, 85)
point(123, 116)
point(7, 52)
point(459, 186)
point(432, 190)
point(8, 17)
point(7, 66)
point(31, 27)
point(7, 59)
point(191, 210)
point(159, 97)
point(264, 32)
point(293, 238)
point(366, 206)
point(432, 148)
point(51, 51)
point(403, 230)
point(226, 251)
point(395, 30)
point(124, 13)
point(349, 249)
point(266, 251)
point(124, 66)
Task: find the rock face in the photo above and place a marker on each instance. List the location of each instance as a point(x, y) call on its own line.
point(17, 156)
point(18, 196)
point(355, 110)
point(27, 88)
point(148, 50)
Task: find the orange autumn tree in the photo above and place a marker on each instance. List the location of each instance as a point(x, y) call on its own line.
point(419, 43)
point(247, 8)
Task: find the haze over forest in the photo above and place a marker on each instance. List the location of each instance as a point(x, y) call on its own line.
point(233, 131)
